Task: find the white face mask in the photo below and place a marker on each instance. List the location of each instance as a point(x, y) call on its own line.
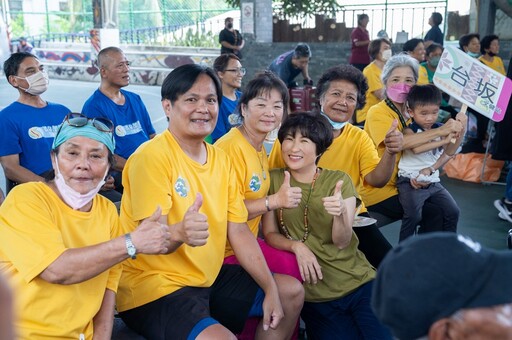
point(335, 125)
point(72, 197)
point(37, 83)
point(386, 54)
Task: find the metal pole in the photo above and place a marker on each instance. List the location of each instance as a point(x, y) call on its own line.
point(47, 17)
point(386, 17)
point(201, 15)
point(132, 24)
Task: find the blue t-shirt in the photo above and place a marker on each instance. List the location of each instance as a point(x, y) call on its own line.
point(227, 118)
point(283, 67)
point(28, 131)
point(131, 120)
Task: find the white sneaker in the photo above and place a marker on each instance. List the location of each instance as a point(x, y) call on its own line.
point(504, 214)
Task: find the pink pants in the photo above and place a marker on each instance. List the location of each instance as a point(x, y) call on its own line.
point(279, 262)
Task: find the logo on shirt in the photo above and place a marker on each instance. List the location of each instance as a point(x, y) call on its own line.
point(255, 183)
point(37, 132)
point(234, 119)
point(128, 129)
point(181, 187)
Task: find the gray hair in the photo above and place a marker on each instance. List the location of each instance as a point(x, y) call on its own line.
point(399, 60)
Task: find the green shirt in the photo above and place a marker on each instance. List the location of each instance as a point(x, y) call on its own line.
point(344, 270)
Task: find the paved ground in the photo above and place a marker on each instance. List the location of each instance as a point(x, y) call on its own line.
point(478, 218)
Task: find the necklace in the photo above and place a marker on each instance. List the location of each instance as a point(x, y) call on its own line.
point(258, 154)
point(283, 227)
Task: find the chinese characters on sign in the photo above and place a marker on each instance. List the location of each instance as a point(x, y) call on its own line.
point(472, 83)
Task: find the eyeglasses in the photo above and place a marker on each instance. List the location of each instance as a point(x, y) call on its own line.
point(79, 120)
point(240, 70)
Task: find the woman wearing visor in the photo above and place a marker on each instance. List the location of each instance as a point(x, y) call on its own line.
point(60, 246)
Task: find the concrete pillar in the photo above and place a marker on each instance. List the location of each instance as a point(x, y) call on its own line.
point(486, 17)
point(257, 20)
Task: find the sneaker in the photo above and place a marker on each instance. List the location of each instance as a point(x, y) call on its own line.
point(502, 216)
point(505, 209)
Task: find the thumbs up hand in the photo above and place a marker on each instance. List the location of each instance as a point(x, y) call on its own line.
point(151, 236)
point(335, 205)
point(193, 230)
point(288, 196)
point(394, 139)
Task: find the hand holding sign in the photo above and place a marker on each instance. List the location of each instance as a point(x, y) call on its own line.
point(473, 83)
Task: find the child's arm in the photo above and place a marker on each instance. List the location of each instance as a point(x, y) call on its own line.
point(450, 148)
point(431, 145)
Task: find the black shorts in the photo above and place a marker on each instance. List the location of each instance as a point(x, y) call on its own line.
point(174, 316)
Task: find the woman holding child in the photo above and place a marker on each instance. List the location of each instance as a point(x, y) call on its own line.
point(398, 76)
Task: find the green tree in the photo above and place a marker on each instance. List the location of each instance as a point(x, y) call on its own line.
point(301, 7)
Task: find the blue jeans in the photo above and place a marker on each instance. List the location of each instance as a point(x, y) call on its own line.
point(349, 318)
point(412, 201)
point(508, 188)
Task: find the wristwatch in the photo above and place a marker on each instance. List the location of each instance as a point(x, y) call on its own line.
point(130, 248)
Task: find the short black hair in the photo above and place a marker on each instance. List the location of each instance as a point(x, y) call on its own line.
point(310, 125)
point(222, 61)
point(375, 45)
point(344, 72)
point(263, 83)
point(12, 64)
point(421, 95)
point(182, 78)
point(432, 47)
point(486, 41)
point(437, 18)
point(302, 51)
point(361, 17)
point(411, 44)
point(466, 39)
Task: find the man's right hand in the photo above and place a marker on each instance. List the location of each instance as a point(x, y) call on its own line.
point(193, 230)
point(151, 236)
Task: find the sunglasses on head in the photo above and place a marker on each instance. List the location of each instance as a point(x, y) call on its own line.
point(79, 120)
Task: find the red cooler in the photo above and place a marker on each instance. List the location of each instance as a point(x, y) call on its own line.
point(303, 99)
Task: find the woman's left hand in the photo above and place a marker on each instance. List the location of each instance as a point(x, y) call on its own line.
point(335, 205)
point(394, 139)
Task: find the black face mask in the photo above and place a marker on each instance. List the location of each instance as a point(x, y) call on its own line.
point(229, 25)
point(491, 54)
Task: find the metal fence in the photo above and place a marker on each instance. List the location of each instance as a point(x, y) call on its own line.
point(391, 16)
point(190, 22)
point(139, 21)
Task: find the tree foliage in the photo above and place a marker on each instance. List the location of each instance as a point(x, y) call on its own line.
point(292, 8)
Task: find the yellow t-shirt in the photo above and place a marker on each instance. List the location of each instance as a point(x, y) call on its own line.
point(159, 173)
point(251, 169)
point(422, 76)
point(377, 124)
point(372, 73)
point(496, 64)
point(36, 227)
point(352, 152)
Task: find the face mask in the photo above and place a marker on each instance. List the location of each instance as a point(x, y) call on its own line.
point(386, 55)
point(230, 25)
point(491, 54)
point(398, 92)
point(335, 125)
point(434, 61)
point(473, 54)
point(72, 197)
point(37, 83)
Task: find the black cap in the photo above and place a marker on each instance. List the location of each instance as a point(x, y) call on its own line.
point(432, 276)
